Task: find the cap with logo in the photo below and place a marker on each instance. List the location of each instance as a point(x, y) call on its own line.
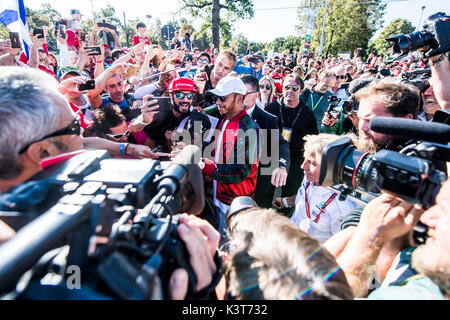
point(182, 84)
point(62, 72)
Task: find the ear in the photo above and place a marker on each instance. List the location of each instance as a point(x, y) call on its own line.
point(41, 150)
point(409, 116)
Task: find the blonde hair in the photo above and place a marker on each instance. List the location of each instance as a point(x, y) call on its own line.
point(272, 84)
point(318, 143)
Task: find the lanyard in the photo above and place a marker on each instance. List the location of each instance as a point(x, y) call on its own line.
point(318, 102)
point(282, 118)
point(323, 207)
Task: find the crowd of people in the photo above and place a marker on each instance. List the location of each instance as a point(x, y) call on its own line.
point(263, 123)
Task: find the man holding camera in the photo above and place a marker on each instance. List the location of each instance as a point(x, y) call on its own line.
point(317, 98)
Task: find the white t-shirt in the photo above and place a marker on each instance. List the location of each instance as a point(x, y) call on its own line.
point(330, 219)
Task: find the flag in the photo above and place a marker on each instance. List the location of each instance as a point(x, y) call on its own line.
point(13, 16)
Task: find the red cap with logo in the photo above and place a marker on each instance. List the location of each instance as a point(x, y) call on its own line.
point(182, 84)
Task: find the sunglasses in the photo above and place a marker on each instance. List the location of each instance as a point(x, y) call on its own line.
point(340, 77)
point(73, 128)
point(119, 135)
point(203, 60)
point(222, 99)
point(295, 88)
point(267, 87)
point(181, 95)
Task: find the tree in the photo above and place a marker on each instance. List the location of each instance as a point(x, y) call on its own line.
point(210, 10)
point(349, 23)
point(380, 46)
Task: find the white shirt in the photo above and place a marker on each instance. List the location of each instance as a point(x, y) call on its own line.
point(331, 218)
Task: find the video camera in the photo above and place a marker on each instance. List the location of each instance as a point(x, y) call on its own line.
point(134, 203)
point(410, 174)
point(435, 35)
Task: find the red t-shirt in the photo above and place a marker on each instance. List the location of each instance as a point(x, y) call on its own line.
point(137, 39)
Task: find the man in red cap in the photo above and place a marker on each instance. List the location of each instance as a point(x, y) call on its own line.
point(164, 116)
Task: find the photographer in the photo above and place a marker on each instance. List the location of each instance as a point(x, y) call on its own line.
point(440, 71)
point(385, 219)
point(317, 98)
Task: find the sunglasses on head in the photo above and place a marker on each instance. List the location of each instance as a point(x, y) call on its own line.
point(295, 88)
point(73, 128)
point(267, 87)
point(181, 95)
point(119, 135)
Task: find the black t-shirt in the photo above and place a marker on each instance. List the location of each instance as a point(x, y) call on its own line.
point(304, 124)
point(163, 121)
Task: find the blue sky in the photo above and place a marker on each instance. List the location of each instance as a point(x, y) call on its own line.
point(265, 26)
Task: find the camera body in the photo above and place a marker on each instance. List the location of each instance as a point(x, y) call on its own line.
point(132, 202)
point(411, 178)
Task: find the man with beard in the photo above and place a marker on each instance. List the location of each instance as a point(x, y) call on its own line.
point(420, 273)
point(159, 124)
point(385, 98)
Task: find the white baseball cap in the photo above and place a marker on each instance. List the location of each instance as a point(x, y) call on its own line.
point(229, 85)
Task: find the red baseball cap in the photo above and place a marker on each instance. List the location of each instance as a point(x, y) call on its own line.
point(182, 84)
point(72, 39)
point(105, 45)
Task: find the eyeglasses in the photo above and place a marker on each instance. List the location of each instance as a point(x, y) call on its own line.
point(222, 99)
point(295, 88)
point(267, 87)
point(249, 93)
point(73, 128)
point(119, 135)
point(181, 95)
point(340, 77)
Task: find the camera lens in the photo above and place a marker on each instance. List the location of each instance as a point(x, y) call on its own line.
point(405, 43)
point(342, 163)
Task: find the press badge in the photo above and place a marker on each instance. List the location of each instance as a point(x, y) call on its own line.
point(286, 133)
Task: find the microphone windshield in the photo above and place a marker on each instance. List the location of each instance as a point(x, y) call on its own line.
point(413, 129)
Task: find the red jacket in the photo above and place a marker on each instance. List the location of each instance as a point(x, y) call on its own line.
point(236, 174)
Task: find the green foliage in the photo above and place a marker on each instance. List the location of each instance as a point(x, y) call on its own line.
point(347, 26)
point(382, 47)
point(229, 11)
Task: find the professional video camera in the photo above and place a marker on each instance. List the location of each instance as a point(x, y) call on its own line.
point(410, 174)
point(435, 35)
point(133, 204)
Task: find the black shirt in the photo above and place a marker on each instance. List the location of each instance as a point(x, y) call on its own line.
point(162, 122)
point(304, 124)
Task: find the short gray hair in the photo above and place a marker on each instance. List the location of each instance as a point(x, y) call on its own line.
point(27, 113)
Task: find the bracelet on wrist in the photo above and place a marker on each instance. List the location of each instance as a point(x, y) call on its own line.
point(121, 149)
point(126, 149)
point(101, 61)
point(285, 203)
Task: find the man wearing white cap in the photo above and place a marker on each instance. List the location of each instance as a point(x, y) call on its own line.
point(235, 158)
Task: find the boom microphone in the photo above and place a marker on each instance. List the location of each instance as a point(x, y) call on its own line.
point(414, 129)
